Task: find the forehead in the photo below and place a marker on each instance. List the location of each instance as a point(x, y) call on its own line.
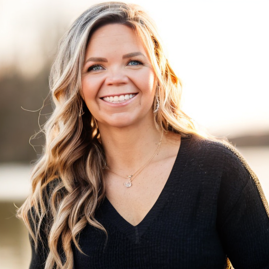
point(113, 37)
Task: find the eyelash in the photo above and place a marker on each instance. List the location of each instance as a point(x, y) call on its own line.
point(91, 68)
point(139, 63)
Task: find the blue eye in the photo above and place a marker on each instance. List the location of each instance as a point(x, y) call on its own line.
point(134, 63)
point(95, 67)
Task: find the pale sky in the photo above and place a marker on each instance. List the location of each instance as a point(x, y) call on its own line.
point(219, 49)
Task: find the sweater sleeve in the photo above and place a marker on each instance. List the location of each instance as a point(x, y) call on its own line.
point(243, 221)
point(39, 254)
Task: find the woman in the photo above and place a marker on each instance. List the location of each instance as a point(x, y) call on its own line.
point(126, 179)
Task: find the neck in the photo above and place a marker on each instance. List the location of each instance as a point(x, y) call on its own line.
point(128, 148)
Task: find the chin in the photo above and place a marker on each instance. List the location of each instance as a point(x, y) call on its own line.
point(123, 121)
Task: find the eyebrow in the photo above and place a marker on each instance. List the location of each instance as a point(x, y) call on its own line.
point(100, 59)
point(132, 54)
point(96, 59)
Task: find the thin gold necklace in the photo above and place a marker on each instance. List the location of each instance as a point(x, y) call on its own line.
point(130, 178)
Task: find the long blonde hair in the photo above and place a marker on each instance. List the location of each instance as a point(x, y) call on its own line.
point(67, 181)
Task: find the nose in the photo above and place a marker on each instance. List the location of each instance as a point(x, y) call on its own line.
point(116, 77)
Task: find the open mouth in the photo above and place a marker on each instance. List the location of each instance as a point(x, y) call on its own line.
point(119, 98)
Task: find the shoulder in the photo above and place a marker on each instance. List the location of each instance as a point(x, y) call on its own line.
point(214, 152)
point(224, 164)
point(219, 164)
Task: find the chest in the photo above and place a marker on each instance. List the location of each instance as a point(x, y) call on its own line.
point(135, 202)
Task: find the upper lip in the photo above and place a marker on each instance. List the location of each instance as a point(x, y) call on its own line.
point(117, 94)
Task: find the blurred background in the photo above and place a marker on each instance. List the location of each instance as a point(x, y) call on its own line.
point(219, 49)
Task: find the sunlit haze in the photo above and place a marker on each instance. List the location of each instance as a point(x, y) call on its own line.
point(219, 50)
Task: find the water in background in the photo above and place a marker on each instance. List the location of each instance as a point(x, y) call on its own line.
point(15, 184)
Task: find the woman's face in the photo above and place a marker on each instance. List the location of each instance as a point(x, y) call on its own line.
point(118, 82)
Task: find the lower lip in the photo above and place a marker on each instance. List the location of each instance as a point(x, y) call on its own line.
point(120, 104)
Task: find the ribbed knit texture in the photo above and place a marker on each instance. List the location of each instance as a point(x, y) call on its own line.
point(209, 209)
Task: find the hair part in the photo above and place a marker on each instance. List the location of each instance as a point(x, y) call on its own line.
point(67, 181)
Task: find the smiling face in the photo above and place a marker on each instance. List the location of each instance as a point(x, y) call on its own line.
point(118, 82)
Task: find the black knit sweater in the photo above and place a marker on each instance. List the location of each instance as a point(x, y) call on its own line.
point(211, 208)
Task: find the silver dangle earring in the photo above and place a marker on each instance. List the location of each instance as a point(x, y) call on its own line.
point(157, 105)
point(157, 99)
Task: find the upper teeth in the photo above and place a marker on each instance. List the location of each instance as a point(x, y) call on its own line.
point(118, 98)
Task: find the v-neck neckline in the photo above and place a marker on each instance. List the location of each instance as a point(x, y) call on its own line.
point(134, 232)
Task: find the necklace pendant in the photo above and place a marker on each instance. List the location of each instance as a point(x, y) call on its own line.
point(128, 184)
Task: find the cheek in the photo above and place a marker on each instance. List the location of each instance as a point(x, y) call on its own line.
point(146, 82)
point(90, 87)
